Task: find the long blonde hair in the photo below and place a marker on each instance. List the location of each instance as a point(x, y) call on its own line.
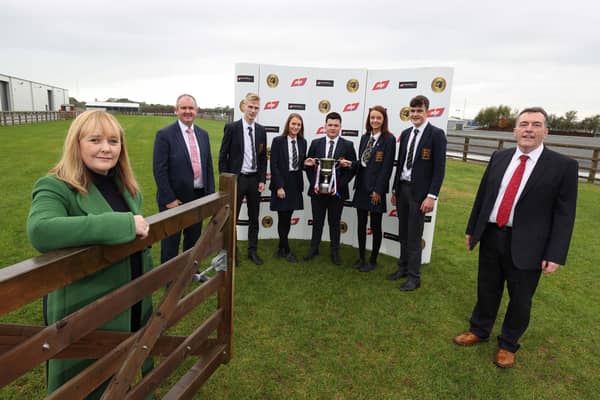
point(71, 168)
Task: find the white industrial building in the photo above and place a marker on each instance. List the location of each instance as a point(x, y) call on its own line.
point(18, 94)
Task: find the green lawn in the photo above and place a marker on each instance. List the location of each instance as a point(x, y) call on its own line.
point(317, 331)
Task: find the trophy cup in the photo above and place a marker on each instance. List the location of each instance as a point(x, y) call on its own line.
point(327, 170)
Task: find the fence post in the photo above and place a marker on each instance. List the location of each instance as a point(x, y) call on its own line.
point(466, 148)
point(500, 144)
point(594, 167)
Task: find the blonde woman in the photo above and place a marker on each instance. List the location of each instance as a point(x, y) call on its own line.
point(90, 197)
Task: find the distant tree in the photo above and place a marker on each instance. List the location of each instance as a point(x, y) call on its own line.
point(591, 124)
point(568, 122)
point(496, 117)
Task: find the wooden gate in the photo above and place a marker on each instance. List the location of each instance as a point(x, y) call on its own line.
point(120, 355)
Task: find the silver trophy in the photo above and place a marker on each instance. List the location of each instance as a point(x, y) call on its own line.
point(327, 169)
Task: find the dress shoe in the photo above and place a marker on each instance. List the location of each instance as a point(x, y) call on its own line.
point(335, 258)
point(504, 358)
point(468, 339)
point(358, 264)
point(280, 253)
point(311, 254)
point(410, 285)
point(370, 266)
point(396, 275)
point(255, 258)
point(291, 257)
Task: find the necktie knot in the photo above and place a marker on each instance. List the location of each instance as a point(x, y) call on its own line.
point(524, 158)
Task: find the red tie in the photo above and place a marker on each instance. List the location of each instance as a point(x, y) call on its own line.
point(511, 192)
point(194, 153)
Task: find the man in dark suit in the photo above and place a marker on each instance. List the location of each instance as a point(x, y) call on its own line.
point(523, 216)
point(332, 204)
point(419, 175)
point(183, 171)
point(244, 153)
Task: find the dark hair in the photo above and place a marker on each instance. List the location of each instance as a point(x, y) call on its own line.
point(286, 130)
point(419, 101)
point(333, 115)
point(535, 110)
point(384, 127)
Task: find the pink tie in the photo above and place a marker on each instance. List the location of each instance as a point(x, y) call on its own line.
point(194, 153)
point(511, 192)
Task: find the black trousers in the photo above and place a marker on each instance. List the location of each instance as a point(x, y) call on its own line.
point(331, 206)
point(248, 186)
point(496, 268)
point(376, 218)
point(284, 224)
point(410, 231)
point(169, 247)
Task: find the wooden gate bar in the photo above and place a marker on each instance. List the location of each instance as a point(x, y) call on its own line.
point(191, 382)
point(67, 266)
point(191, 345)
point(121, 382)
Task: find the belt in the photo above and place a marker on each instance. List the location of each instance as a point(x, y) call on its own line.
point(248, 173)
point(505, 228)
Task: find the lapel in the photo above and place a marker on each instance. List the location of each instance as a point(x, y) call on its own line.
point(180, 143)
point(94, 202)
point(541, 166)
point(424, 138)
point(404, 138)
point(497, 173)
point(286, 153)
point(339, 148)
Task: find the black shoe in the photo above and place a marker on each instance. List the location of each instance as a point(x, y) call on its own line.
point(396, 275)
point(255, 258)
point(359, 264)
point(291, 257)
point(335, 258)
point(410, 285)
point(370, 266)
point(311, 254)
point(280, 253)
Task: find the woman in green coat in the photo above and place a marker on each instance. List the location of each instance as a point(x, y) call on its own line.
point(90, 198)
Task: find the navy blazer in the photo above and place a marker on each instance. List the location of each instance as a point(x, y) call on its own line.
point(544, 212)
point(172, 166)
point(379, 166)
point(280, 170)
point(429, 162)
point(231, 155)
point(344, 149)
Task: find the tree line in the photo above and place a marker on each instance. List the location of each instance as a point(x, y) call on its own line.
point(153, 108)
point(503, 117)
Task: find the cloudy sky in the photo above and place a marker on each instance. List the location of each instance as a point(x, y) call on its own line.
point(519, 53)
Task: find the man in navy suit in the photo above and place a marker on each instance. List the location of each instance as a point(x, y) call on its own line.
point(523, 216)
point(419, 174)
point(342, 150)
point(183, 171)
point(244, 153)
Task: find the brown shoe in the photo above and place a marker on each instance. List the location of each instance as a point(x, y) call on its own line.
point(468, 339)
point(504, 358)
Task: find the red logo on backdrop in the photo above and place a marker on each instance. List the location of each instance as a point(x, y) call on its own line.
point(271, 105)
point(369, 231)
point(380, 85)
point(435, 112)
point(294, 221)
point(350, 107)
point(321, 130)
point(298, 82)
point(393, 213)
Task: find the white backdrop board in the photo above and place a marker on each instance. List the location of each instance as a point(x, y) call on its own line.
point(313, 92)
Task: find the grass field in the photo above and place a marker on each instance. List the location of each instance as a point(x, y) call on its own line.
point(316, 331)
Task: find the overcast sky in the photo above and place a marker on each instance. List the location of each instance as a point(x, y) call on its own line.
point(518, 53)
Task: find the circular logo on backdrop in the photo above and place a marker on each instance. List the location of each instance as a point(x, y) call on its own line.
point(343, 227)
point(272, 80)
point(267, 221)
point(405, 114)
point(324, 106)
point(352, 85)
point(438, 85)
